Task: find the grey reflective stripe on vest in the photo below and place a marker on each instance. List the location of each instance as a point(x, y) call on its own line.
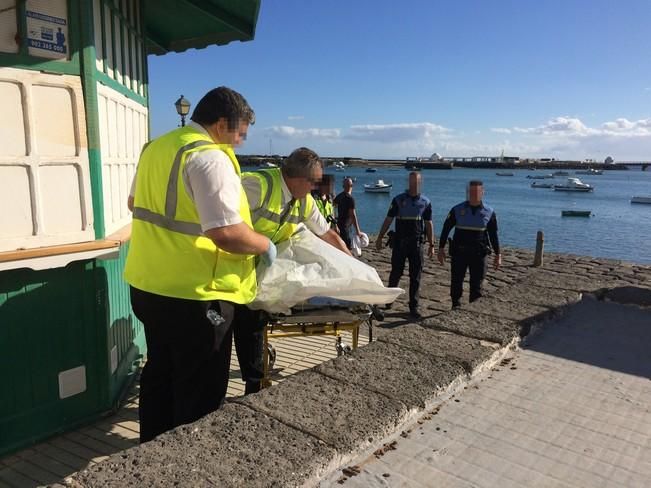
point(172, 196)
point(188, 228)
point(465, 227)
point(409, 218)
point(264, 212)
point(168, 221)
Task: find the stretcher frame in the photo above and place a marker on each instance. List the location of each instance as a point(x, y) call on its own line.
point(326, 321)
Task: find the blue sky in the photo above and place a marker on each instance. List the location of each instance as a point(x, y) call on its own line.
point(380, 78)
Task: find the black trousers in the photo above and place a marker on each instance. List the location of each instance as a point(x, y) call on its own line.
point(249, 343)
point(412, 251)
point(343, 233)
point(188, 358)
point(460, 261)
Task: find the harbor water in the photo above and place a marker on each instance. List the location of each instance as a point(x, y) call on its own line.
point(617, 229)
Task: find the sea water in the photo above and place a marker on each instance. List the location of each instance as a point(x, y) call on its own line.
point(617, 229)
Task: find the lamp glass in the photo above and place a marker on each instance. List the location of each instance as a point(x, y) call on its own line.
point(182, 106)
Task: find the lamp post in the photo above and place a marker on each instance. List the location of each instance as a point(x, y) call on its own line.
point(182, 108)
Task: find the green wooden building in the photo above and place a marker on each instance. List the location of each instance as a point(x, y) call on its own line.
point(73, 88)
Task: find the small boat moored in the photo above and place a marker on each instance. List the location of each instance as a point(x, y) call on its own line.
point(590, 171)
point(646, 200)
point(540, 177)
point(378, 187)
point(537, 184)
point(371, 170)
point(560, 173)
point(576, 213)
point(574, 184)
point(504, 174)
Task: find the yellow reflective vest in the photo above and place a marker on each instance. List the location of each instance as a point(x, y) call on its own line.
point(168, 253)
point(269, 217)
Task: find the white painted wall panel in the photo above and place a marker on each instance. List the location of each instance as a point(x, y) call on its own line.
point(54, 125)
point(123, 131)
point(61, 199)
point(13, 133)
point(16, 217)
point(45, 193)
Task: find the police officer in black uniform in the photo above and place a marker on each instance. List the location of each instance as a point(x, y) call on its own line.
point(413, 214)
point(474, 236)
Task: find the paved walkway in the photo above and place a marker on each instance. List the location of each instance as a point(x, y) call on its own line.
point(52, 461)
point(571, 409)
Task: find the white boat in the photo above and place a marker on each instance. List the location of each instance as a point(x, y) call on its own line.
point(641, 200)
point(378, 187)
point(537, 184)
point(339, 165)
point(590, 171)
point(540, 177)
point(268, 164)
point(574, 184)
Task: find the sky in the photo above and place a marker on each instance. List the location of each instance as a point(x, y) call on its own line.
point(569, 79)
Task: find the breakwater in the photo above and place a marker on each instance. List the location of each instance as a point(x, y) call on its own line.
point(294, 433)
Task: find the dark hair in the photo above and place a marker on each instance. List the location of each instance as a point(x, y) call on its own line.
point(475, 183)
point(223, 102)
point(301, 162)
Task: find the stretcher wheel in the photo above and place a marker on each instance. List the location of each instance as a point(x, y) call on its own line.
point(342, 348)
point(271, 354)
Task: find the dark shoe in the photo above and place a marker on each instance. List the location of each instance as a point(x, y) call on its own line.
point(376, 313)
point(455, 305)
point(415, 314)
point(252, 387)
point(388, 306)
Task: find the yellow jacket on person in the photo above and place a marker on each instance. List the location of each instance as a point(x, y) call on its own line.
point(269, 217)
point(168, 254)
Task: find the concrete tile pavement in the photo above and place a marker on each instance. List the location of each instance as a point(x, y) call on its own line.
point(570, 409)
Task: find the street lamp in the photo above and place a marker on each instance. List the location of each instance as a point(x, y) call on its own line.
point(182, 108)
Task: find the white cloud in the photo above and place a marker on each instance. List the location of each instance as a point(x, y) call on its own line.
point(296, 117)
point(288, 132)
point(391, 133)
point(571, 127)
point(501, 130)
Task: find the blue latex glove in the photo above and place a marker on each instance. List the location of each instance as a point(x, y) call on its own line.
point(269, 256)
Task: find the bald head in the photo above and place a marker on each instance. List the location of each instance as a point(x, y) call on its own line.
point(348, 184)
point(414, 183)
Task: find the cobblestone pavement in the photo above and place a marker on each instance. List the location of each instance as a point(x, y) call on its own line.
point(571, 409)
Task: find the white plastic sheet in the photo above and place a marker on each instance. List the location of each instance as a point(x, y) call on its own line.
point(308, 267)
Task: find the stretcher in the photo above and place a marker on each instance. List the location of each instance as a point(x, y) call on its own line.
point(316, 320)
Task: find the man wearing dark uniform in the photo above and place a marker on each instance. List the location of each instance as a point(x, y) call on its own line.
point(475, 234)
point(413, 214)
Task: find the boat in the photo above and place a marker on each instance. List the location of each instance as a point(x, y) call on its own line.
point(371, 170)
point(641, 200)
point(378, 187)
point(537, 184)
point(574, 184)
point(504, 174)
point(268, 164)
point(540, 177)
point(560, 173)
point(339, 165)
point(576, 213)
point(590, 171)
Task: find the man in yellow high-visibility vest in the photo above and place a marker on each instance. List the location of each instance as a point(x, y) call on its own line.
point(190, 265)
point(280, 199)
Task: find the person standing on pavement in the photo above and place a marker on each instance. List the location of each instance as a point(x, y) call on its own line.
point(413, 213)
point(190, 264)
point(346, 214)
point(474, 235)
point(280, 199)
